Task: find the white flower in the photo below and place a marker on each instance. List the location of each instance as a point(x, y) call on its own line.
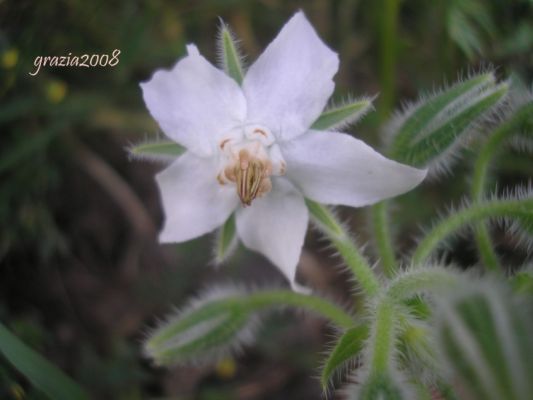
point(251, 151)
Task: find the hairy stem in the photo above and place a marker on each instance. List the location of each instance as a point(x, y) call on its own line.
point(415, 281)
point(486, 249)
point(475, 213)
point(491, 147)
point(383, 336)
point(339, 237)
point(318, 305)
point(383, 238)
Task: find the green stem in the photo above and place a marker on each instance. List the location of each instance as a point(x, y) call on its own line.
point(388, 34)
point(475, 213)
point(491, 147)
point(383, 336)
point(486, 249)
point(334, 230)
point(315, 304)
point(415, 281)
point(383, 238)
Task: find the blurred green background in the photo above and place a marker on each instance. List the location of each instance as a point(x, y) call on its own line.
point(82, 277)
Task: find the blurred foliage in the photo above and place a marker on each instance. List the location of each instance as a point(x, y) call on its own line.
point(81, 272)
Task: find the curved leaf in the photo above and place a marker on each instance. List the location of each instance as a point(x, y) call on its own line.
point(40, 372)
point(348, 347)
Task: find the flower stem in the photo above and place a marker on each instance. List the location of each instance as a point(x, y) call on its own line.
point(321, 306)
point(383, 336)
point(475, 213)
point(388, 33)
point(383, 238)
point(486, 249)
point(415, 281)
point(491, 147)
point(339, 237)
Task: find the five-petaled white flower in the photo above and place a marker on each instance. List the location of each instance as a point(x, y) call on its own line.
point(251, 150)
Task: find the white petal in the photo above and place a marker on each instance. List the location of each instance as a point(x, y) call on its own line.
point(335, 168)
point(194, 103)
point(275, 226)
point(194, 202)
point(290, 83)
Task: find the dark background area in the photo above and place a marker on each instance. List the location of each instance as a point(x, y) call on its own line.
point(82, 276)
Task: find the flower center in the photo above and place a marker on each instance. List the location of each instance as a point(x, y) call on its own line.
point(249, 159)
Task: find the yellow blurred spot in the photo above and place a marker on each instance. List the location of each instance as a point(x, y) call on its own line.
point(17, 392)
point(226, 368)
point(56, 91)
point(9, 58)
point(414, 334)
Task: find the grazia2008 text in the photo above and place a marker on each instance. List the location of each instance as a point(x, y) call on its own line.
point(82, 61)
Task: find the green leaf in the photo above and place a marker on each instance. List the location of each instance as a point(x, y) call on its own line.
point(470, 25)
point(205, 331)
point(224, 319)
point(41, 373)
point(340, 116)
point(348, 346)
point(226, 240)
point(485, 336)
point(231, 58)
point(428, 110)
point(163, 150)
point(427, 149)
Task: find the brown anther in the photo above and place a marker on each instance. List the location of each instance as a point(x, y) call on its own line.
point(251, 181)
point(260, 132)
point(220, 179)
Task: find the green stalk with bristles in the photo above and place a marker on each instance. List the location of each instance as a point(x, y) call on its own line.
point(341, 240)
point(416, 281)
point(383, 238)
point(383, 336)
point(490, 149)
point(472, 214)
point(318, 305)
point(215, 325)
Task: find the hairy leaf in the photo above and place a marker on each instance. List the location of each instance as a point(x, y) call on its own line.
point(229, 52)
point(226, 240)
point(162, 150)
point(340, 116)
point(347, 348)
